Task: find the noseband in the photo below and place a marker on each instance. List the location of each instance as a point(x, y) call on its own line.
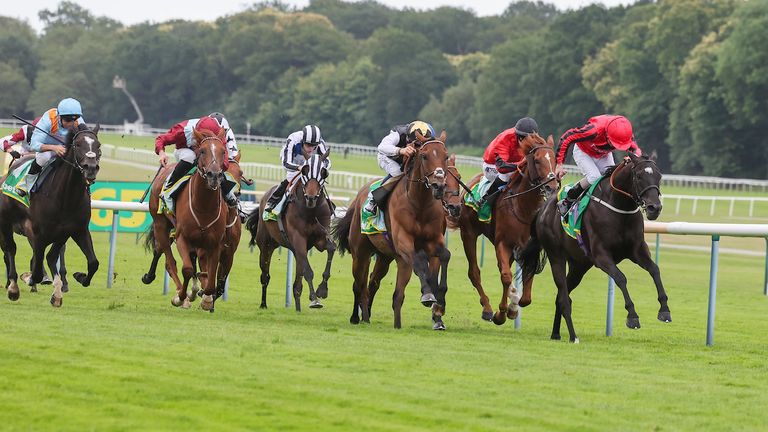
point(74, 163)
point(536, 183)
point(637, 193)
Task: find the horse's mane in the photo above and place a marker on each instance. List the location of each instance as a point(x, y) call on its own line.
point(530, 142)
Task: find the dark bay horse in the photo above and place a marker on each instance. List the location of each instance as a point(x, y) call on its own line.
point(201, 220)
point(415, 232)
point(612, 230)
point(307, 218)
point(509, 228)
point(452, 203)
point(58, 211)
point(229, 247)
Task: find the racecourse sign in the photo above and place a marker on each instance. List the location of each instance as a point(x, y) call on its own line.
point(101, 219)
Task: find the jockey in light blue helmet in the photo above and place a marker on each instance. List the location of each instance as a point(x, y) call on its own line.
point(55, 122)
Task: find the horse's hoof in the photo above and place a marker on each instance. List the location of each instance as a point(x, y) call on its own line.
point(13, 295)
point(665, 317)
point(555, 337)
point(147, 278)
point(315, 304)
point(633, 323)
point(263, 306)
point(193, 295)
point(322, 291)
point(81, 278)
point(575, 340)
point(176, 301)
point(46, 280)
point(186, 303)
point(33, 288)
point(438, 325)
point(207, 302)
point(512, 313)
point(428, 300)
point(499, 318)
point(355, 320)
point(65, 288)
point(26, 277)
point(487, 316)
point(56, 301)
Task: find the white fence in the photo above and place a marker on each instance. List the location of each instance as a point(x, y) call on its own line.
point(746, 204)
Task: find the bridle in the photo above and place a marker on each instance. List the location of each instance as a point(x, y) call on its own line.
point(74, 163)
point(537, 182)
point(437, 172)
point(205, 170)
point(637, 193)
point(315, 171)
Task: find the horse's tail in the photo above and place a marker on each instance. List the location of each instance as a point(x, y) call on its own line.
point(340, 229)
point(252, 224)
point(532, 257)
point(149, 239)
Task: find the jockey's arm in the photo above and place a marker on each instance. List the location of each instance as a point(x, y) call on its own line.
point(388, 145)
point(286, 153)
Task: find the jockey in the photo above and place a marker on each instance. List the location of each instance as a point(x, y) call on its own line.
point(594, 143)
point(298, 148)
point(392, 150)
point(182, 137)
point(22, 137)
point(56, 122)
point(502, 155)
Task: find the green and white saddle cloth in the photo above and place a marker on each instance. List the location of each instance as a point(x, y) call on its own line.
point(473, 200)
point(14, 179)
point(572, 222)
point(372, 223)
point(163, 207)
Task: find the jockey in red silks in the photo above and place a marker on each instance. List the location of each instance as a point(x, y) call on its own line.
point(22, 137)
point(594, 144)
point(502, 155)
point(298, 148)
point(55, 122)
point(182, 137)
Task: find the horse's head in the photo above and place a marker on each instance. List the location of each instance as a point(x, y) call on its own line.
point(86, 151)
point(646, 182)
point(540, 162)
point(452, 197)
point(429, 165)
point(211, 156)
point(313, 175)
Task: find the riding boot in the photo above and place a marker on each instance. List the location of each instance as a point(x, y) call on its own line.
point(229, 192)
point(379, 195)
point(34, 171)
point(573, 194)
point(182, 167)
point(493, 191)
point(277, 195)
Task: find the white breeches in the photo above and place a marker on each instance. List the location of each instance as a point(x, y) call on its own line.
point(44, 158)
point(592, 168)
point(390, 166)
point(185, 154)
point(490, 172)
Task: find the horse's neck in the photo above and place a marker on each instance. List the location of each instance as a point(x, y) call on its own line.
point(621, 180)
point(418, 196)
point(527, 202)
point(69, 189)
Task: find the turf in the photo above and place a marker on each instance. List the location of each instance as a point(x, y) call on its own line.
point(124, 358)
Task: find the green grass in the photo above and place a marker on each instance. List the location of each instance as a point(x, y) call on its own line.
point(124, 358)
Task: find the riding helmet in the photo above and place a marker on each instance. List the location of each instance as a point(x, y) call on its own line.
point(311, 135)
point(426, 130)
point(69, 107)
point(526, 126)
point(619, 132)
point(208, 124)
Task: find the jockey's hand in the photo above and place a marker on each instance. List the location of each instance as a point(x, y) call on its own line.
point(14, 154)
point(407, 151)
point(59, 150)
point(163, 158)
point(560, 171)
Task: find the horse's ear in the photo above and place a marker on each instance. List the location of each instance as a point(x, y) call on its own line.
point(198, 136)
point(443, 136)
point(96, 129)
point(305, 170)
point(654, 156)
point(325, 156)
point(452, 159)
point(419, 137)
point(324, 173)
point(222, 135)
point(550, 141)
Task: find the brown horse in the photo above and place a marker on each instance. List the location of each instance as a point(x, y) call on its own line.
point(415, 231)
point(58, 211)
point(201, 219)
point(509, 228)
point(452, 203)
point(231, 242)
point(307, 220)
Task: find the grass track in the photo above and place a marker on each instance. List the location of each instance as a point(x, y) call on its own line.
point(124, 358)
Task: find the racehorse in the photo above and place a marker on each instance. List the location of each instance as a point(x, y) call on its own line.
point(415, 232)
point(612, 230)
point(307, 217)
point(57, 212)
point(509, 227)
point(452, 203)
point(231, 242)
point(201, 219)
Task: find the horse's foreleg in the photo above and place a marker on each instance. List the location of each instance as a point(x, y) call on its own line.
point(438, 310)
point(643, 259)
point(469, 240)
point(209, 260)
point(361, 305)
point(150, 275)
point(85, 243)
point(404, 270)
point(52, 257)
point(265, 257)
point(562, 300)
point(428, 280)
point(9, 256)
point(604, 262)
point(503, 258)
point(322, 289)
point(302, 265)
point(63, 269)
point(187, 272)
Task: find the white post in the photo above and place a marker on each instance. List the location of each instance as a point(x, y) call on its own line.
point(288, 279)
point(112, 247)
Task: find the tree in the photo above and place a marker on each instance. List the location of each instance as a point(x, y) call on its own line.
point(15, 89)
point(360, 19)
point(18, 49)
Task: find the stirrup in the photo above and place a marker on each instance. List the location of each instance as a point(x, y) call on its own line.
point(21, 192)
point(564, 206)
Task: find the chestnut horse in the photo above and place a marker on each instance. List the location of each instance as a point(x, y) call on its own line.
point(415, 231)
point(201, 219)
point(612, 230)
point(452, 203)
point(231, 242)
point(509, 228)
point(57, 212)
point(307, 221)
